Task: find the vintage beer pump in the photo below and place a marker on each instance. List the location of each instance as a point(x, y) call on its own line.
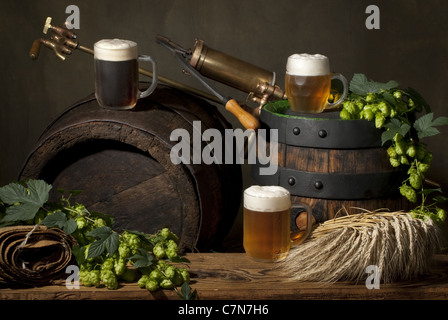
point(257, 82)
point(200, 61)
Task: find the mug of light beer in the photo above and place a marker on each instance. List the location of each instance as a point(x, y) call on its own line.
point(308, 83)
point(116, 74)
point(267, 219)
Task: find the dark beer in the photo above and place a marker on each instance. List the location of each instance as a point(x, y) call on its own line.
point(116, 84)
point(116, 73)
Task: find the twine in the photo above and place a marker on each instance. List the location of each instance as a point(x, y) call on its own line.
point(23, 243)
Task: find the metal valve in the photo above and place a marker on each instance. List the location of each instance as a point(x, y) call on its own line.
point(62, 42)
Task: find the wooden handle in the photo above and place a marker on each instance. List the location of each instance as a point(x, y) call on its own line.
point(35, 48)
point(245, 118)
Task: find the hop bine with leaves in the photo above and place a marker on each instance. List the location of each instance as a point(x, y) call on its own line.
point(393, 110)
point(105, 256)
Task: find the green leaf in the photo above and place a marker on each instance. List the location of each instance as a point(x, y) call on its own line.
point(112, 243)
point(70, 226)
point(25, 202)
point(361, 85)
point(389, 98)
point(38, 191)
point(59, 220)
point(20, 212)
point(108, 240)
point(425, 125)
point(440, 199)
point(178, 259)
point(186, 293)
point(101, 232)
point(96, 249)
point(79, 253)
point(142, 260)
point(13, 193)
point(394, 126)
point(426, 192)
point(440, 121)
point(417, 97)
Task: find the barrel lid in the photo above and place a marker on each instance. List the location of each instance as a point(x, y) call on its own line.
point(324, 130)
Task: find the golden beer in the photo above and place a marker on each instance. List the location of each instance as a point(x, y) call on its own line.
point(266, 234)
point(308, 83)
point(308, 94)
point(266, 225)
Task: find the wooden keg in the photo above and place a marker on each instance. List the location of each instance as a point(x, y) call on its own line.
point(333, 165)
point(121, 162)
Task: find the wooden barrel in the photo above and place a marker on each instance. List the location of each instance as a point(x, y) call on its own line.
point(121, 162)
point(331, 164)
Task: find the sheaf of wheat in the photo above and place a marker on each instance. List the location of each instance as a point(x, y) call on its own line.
point(341, 248)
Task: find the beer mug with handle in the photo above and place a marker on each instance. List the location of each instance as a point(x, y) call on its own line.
point(267, 232)
point(116, 74)
point(308, 83)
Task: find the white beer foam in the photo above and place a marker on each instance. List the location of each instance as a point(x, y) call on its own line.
point(267, 198)
point(115, 50)
point(305, 64)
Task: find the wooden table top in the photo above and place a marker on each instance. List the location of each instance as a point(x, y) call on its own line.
point(234, 276)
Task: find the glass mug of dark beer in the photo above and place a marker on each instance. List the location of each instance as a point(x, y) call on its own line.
point(267, 222)
point(116, 74)
point(308, 83)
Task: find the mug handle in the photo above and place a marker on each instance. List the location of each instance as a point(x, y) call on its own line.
point(297, 236)
point(152, 87)
point(344, 81)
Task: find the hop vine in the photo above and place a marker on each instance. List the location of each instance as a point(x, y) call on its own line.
point(393, 111)
point(105, 256)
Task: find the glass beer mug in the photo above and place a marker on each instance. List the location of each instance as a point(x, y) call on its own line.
point(308, 83)
point(267, 222)
point(116, 74)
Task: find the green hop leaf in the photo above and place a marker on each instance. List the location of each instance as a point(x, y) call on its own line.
point(144, 259)
point(24, 202)
point(108, 240)
point(59, 220)
point(362, 86)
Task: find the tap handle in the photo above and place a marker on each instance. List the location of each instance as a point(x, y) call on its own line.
point(35, 49)
point(62, 31)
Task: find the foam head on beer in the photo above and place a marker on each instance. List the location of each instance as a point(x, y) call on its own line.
point(115, 50)
point(267, 198)
point(305, 64)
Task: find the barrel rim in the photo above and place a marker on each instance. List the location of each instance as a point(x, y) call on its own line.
point(323, 130)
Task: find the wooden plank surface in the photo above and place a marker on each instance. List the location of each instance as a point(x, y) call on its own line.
point(234, 276)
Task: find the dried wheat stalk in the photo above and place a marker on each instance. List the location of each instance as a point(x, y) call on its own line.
point(342, 248)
